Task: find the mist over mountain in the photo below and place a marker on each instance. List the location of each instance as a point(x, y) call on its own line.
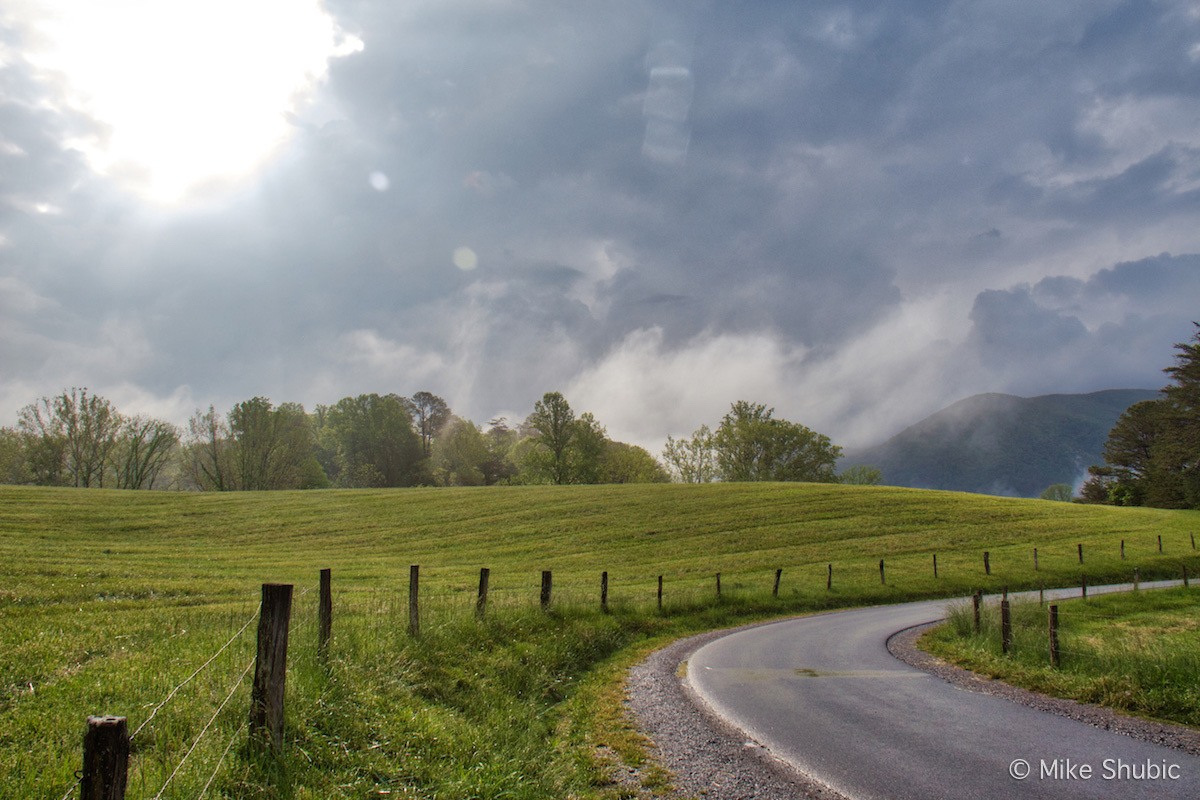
point(1002, 444)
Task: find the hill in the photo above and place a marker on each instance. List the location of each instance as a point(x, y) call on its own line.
point(1001, 444)
point(113, 599)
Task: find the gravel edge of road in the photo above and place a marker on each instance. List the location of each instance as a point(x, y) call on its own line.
point(903, 645)
point(706, 756)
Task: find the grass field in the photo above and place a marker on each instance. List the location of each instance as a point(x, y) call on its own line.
point(112, 599)
point(1136, 652)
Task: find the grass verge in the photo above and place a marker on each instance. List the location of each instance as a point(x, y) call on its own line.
point(1135, 652)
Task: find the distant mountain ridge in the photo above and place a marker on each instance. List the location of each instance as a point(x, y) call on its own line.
point(1002, 444)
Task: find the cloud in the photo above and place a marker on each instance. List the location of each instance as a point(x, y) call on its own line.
point(857, 212)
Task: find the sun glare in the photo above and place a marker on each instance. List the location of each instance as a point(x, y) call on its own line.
point(190, 94)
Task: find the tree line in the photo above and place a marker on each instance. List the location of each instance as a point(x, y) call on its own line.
point(1152, 455)
point(81, 439)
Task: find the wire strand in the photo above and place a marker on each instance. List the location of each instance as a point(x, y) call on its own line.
point(189, 678)
point(204, 730)
point(221, 760)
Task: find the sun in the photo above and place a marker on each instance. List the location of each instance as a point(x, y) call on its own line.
point(188, 94)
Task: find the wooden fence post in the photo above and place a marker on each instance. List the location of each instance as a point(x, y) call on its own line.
point(481, 599)
point(778, 576)
point(987, 564)
point(1054, 654)
point(547, 587)
point(1041, 595)
point(604, 591)
point(1185, 576)
point(1137, 579)
point(414, 594)
point(1122, 549)
point(1193, 541)
point(1035, 560)
point(1005, 627)
point(1083, 584)
point(105, 759)
point(881, 577)
point(660, 592)
point(718, 584)
point(976, 599)
point(1160, 543)
point(829, 579)
point(270, 668)
point(1080, 552)
point(325, 614)
point(935, 565)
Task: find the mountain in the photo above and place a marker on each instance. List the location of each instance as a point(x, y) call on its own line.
point(1002, 444)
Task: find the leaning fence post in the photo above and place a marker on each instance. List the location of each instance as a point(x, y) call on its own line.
point(1054, 654)
point(481, 598)
point(1160, 543)
point(829, 579)
point(660, 592)
point(1005, 626)
point(935, 565)
point(325, 614)
point(547, 585)
point(778, 576)
point(414, 594)
point(105, 759)
point(604, 591)
point(270, 668)
point(975, 601)
point(881, 577)
point(987, 564)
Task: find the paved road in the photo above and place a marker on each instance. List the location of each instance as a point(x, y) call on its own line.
point(824, 694)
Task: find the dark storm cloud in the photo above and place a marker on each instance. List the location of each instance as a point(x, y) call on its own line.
point(864, 199)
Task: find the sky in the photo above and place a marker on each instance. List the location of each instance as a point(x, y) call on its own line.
point(856, 213)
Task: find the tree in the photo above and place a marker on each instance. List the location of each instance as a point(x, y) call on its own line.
point(1059, 492)
point(429, 413)
point(751, 445)
point(1178, 452)
point(460, 454)
point(1152, 455)
point(44, 443)
point(69, 438)
point(552, 424)
point(628, 463)
point(861, 475)
point(271, 446)
point(144, 448)
point(587, 447)
point(208, 462)
point(13, 469)
point(375, 442)
point(692, 460)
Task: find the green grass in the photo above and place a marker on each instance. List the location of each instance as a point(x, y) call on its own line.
point(1137, 652)
point(113, 598)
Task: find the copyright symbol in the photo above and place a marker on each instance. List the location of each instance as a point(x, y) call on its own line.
point(1019, 769)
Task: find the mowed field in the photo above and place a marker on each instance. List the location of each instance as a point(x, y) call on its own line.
point(112, 599)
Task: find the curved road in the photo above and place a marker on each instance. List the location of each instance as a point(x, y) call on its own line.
point(824, 694)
